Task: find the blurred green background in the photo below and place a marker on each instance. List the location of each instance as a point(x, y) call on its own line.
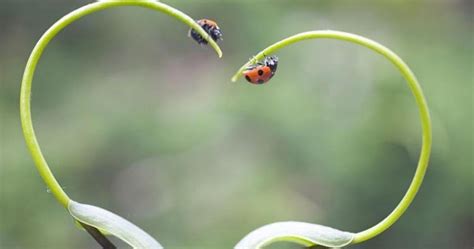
point(135, 117)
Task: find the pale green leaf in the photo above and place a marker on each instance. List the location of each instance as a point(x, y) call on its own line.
point(113, 224)
point(302, 233)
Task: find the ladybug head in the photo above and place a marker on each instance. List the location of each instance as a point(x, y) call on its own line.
point(215, 33)
point(271, 62)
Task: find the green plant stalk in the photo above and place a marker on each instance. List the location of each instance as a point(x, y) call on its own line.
point(417, 93)
point(25, 95)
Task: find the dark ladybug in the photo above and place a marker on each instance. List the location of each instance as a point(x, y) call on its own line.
point(210, 27)
point(261, 72)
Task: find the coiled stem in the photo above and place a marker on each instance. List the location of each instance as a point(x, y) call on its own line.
point(25, 96)
point(416, 91)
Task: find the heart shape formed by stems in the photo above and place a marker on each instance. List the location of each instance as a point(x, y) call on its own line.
point(299, 232)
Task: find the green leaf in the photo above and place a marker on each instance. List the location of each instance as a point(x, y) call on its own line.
point(113, 224)
point(302, 233)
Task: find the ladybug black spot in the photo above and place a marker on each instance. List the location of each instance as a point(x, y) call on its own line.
point(260, 81)
point(248, 78)
point(260, 72)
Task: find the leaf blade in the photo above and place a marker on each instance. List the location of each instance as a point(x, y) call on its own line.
point(109, 222)
point(299, 232)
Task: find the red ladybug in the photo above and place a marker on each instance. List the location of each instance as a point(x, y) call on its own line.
point(210, 27)
point(261, 72)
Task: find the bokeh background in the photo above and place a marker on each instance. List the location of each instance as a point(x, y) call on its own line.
point(135, 117)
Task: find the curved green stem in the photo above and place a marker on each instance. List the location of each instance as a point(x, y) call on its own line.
point(417, 93)
point(25, 96)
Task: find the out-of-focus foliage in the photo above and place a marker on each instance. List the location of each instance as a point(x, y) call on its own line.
point(135, 117)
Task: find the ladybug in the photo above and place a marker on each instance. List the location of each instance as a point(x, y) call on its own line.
point(210, 27)
point(261, 72)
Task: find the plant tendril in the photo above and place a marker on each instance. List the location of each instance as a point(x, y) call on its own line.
point(25, 94)
point(416, 91)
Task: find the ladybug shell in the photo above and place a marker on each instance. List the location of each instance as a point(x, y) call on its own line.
point(211, 23)
point(258, 74)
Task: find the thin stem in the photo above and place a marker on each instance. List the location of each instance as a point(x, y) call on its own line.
point(420, 101)
point(25, 96)
point(98, 236)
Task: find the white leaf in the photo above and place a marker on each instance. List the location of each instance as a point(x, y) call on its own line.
point(113, 224)
point(299, 232)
